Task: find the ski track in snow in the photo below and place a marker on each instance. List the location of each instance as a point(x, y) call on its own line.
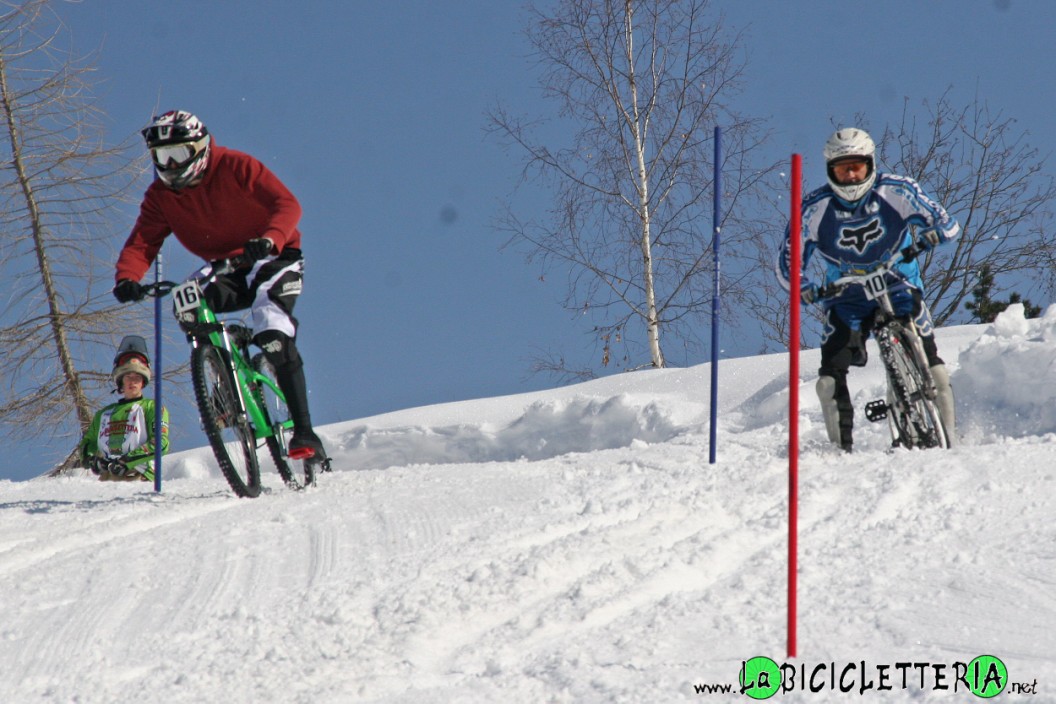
point(566, 546)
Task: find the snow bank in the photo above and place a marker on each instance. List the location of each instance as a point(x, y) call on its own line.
point(1006, 383)
point(572, 545)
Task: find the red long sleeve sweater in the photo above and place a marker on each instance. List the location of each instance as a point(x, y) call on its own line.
point(237, 200)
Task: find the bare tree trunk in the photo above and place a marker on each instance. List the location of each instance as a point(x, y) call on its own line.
point(58, 331)
point(651, 319)
point(642, 84)
point(58, 321)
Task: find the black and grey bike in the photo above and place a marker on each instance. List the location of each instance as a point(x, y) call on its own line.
point(239, 399)
point(910, 407)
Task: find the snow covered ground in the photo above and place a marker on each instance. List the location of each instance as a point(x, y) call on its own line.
point(572, 545)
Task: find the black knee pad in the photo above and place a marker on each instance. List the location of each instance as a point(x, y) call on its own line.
point(279, 348)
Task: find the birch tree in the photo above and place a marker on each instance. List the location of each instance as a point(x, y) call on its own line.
point(58, 184)
point(640, 86)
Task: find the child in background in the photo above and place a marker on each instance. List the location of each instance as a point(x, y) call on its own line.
point(120, 443)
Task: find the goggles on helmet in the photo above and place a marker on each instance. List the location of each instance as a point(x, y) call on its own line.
point(130, 355)
point(173, 155)
point(840, 170)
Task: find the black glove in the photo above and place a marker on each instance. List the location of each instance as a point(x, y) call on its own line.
point(117, 466)
point(95, 463)
point(127, 291)
point(257, 248)
point(929, 240)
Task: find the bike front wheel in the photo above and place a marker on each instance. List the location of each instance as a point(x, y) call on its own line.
point(224, 420)
point(915, 419)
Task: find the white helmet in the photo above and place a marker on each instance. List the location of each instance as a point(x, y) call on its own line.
point(848, 143)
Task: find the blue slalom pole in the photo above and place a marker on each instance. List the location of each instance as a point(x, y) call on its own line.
point(716, 227)
point(158, 428)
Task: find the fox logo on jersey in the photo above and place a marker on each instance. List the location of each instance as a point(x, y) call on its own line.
point(859, 238)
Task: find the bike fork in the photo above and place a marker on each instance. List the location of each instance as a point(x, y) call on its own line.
point(916, 346)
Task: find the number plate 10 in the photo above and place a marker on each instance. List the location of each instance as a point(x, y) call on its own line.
point(876, 285)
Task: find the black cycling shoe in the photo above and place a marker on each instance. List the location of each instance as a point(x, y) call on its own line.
point(305, 444)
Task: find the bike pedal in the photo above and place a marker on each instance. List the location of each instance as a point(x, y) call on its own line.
point(302, 453)
point(876, 410)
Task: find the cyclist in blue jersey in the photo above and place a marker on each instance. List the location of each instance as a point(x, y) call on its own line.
point(855, 222)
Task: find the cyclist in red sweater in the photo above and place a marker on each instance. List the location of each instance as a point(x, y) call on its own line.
point(220, 203)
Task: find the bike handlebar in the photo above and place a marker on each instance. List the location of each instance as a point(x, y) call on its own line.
point(906, 254)
point(160, 289)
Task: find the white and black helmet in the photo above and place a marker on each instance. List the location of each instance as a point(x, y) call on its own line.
point(850, 143)
point(179, 147)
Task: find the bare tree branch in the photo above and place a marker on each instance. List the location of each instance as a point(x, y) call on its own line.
point(58, 185)
point(987, 175)
point(641, 85)
point(984, 172)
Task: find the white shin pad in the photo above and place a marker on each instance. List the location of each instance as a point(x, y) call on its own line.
point(944, 401)
point(826, 389)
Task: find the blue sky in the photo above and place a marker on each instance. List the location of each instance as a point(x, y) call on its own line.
point(373, 113)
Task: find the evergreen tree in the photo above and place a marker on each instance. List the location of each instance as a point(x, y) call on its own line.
point(984, 308)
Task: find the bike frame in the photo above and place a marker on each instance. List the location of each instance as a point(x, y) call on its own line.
point(188, 298)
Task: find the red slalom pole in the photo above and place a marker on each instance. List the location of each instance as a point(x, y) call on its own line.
point(795, 238)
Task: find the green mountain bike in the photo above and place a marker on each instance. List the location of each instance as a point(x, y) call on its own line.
point(239, 399)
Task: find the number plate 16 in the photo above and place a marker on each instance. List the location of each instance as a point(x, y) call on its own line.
point(187, 296)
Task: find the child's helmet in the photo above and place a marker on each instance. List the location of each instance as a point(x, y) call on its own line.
point(131, 363)
point(131, 357)
point(179, 147)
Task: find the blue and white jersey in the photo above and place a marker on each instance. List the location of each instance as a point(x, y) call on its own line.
point(887, 220)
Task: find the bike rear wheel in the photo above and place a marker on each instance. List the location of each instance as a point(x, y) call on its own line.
point(278, 414)
point(915, 419)
point(224, 421)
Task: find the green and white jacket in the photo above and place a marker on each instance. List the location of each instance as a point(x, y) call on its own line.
point(126, 429)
